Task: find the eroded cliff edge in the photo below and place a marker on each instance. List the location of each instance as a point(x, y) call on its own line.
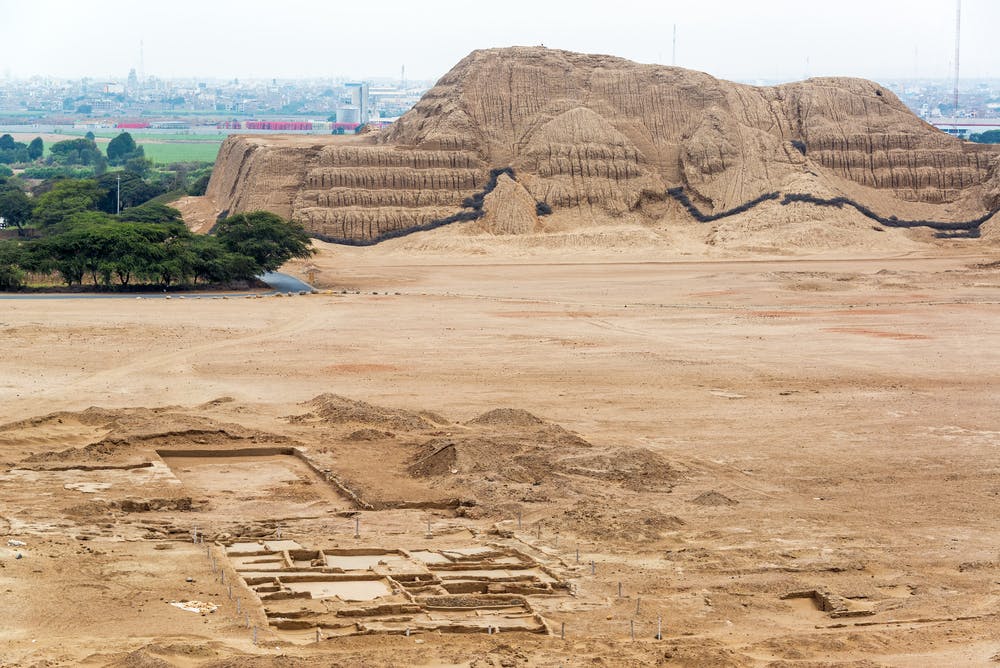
point(603, 134)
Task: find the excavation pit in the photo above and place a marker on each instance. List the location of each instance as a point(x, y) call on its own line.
point(255, 483)
point(349, 591)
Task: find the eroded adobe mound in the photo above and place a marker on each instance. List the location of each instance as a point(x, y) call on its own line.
point(605, 134)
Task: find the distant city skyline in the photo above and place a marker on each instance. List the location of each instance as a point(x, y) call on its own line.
point(775, 40)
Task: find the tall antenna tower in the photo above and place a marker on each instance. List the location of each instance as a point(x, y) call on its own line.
point(673, 57)
point(142, 63)
point(958, 49)
point(402, 77)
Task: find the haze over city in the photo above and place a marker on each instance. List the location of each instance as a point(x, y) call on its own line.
point(769, 40)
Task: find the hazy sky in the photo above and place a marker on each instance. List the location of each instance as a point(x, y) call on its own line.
point(746, 40)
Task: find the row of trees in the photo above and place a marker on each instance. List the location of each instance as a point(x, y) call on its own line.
point(988, 137)
point(81, 238)
point(13, 151)
point(81, 153)
point(150, 245)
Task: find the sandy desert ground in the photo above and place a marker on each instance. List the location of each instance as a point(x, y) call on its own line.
point(790, 461)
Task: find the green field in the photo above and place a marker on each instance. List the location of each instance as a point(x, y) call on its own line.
point(168, 147)
point(165, 153)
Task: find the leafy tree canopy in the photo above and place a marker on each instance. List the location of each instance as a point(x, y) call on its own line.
point(123, 148)
point(77, 152)
point(66, 198)
point(36, 148)
point(265, 237)
point(988, 137)
point(151, 212)
point(15, 206)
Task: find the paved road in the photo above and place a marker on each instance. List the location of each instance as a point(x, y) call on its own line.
point(279, 283)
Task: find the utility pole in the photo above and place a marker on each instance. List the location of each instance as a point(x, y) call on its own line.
point(958, 49)
point(118, 197)
point(673, 57)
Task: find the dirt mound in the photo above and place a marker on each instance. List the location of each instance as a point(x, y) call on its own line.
point(507, 417)
point(140, 658)
point(597, 133)
point(622, 524)
point(336, 409)
point(635, 469)
point(713, 498)
point(369, 435)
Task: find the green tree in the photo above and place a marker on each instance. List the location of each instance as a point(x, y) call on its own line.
point(12, 151)
point(200, 185)
point(134, 191)
point(139, 165)
point(67, 197)
point(123, 148)
point(15, 207)
point(265, 237)
point(76, 152)
point(152, 212)
point(90, 135)
point(213, 263)
point(11, 258)
point(988, 137)
point(36, 148)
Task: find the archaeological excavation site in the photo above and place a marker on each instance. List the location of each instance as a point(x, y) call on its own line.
point(606, 364)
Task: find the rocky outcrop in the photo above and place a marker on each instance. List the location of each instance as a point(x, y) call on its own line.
point(605, 134)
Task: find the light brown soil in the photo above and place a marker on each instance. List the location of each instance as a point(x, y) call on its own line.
point(712, 433)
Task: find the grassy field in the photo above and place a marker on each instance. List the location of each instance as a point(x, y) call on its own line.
point(167, 152)
point(162, 148)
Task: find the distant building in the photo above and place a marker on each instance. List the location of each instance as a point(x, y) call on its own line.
point(359, 98)
point(963, 127)
point(349, 115)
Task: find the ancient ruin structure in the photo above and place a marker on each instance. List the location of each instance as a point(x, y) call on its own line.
point(604, 136)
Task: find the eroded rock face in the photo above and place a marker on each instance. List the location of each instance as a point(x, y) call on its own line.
point(509, 209)
point(606, 133)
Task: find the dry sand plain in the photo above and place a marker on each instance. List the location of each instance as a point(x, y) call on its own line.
point(714, 435)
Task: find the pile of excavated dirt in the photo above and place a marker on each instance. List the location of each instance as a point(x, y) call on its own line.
point(507, 417)
point(713, 498)
point(335, 409)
